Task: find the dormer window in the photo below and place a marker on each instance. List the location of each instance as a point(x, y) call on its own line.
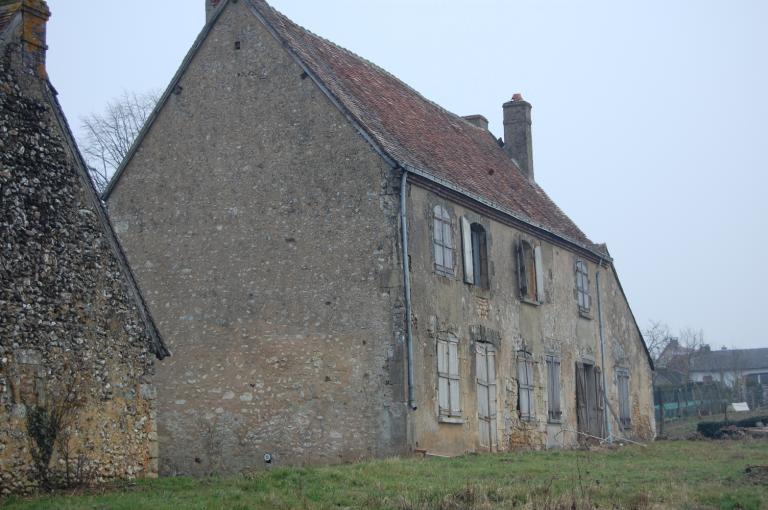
point(442, 241)
point(475, 248)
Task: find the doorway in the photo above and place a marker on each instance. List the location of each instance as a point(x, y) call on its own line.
point(485, 365)
point(590, 405)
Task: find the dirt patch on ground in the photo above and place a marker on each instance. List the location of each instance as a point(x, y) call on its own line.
point(757, 474)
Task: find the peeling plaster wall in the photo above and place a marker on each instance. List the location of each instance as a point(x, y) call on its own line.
point(444, 304)
point(263, 232)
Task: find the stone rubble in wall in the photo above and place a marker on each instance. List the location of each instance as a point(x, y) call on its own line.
point(63, 297)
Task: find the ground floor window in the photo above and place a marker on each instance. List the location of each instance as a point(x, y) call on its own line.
point(485, 365)
point(525, 398)
point(448, 376)
point(553, 389)
point(625, 410)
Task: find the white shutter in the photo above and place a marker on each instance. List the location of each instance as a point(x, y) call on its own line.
point(539, 274)
point(443, 391)
point(466, 243)
point(453, 373)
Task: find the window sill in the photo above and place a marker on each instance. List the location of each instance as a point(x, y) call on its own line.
point(555, 421)
point(585, 314)
point(450, 419)
point(529, 301)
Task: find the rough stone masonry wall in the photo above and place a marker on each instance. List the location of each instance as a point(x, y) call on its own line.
point(448, 306)
point(65, 318)
point(263, 231)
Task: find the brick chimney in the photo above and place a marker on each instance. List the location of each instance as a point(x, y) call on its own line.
point(517, 133)
point(34, 17)
point(210, 8)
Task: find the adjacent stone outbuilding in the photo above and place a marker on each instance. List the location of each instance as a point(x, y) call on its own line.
point(344, 269)
point(76, 341)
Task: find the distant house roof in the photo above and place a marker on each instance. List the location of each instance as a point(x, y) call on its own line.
point(412, 131)
point(730, 360)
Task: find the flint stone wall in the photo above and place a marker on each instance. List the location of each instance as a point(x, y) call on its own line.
point(65, 316)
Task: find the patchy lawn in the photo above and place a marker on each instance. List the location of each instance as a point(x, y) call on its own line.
point(667, 474)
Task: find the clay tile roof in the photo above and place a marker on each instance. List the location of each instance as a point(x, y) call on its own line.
point(418, 133)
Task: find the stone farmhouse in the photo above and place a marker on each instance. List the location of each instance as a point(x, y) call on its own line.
point(345, 269)
point(76, 341)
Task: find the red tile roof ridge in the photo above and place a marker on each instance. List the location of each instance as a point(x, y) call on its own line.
point(419, 133)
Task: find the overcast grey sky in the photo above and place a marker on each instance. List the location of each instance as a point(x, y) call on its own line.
point(649, 116)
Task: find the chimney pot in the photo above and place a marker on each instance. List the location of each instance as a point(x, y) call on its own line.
point(518, 142)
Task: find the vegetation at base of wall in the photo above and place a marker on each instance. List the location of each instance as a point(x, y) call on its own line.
point(678, 474)
point(714, 429)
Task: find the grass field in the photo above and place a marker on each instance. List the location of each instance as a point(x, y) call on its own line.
point(667, 474)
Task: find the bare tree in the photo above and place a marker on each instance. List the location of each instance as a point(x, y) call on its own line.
point(108, 136)
point(657, 337)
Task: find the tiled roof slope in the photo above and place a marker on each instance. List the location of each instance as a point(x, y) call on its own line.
point(418, 133)
point(732, 359)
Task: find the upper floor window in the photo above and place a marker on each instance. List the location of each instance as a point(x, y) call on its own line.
point(525, 398)
point(474, 246)
point(442, 240)
point(582, 286)
point(530, 275)
point(625, 411)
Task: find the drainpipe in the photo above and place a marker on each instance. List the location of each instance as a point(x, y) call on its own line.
point(608, 439)
point(407, 286)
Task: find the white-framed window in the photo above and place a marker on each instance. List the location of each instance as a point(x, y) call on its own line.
point(554, 412)
point(442, 240)
point(582, 286)
point(448, 389)
point(525, 397)
point(530, 272)
point(625, 410)
point(475, 253)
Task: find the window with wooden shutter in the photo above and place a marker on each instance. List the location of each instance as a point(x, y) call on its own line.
point(625, 410)
point(582, 286)
point(466, 245)
point(442, 240)
point(553, 389)
point(448, 376)
point(475, 251)
point(525, 397)
point(530, 275)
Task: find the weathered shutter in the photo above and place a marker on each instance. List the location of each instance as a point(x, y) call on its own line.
point(581, 399)
point(453, 377)
point(600, 402)
point(443, 389)
point(558, 411)
point(466, 243)
point(483, 411)
point(437, 240)
point(522, 281)
point(448, 243)
point(491, 371)
point(539, 274)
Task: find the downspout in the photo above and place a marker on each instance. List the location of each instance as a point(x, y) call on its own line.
point(407, 287)
point(606, 409)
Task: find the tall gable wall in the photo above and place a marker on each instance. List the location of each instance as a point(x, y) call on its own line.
point(70, 335)
point(262, 229)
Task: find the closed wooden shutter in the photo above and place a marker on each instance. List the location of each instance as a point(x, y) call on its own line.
point(522, 281)
point(582, 415)
point(600, 403)
point(539, 275)
point(443, 388)
point(453, 377)
point(485, 365)
point(466, 243)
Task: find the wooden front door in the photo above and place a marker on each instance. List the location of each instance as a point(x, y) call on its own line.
point(590, 412)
